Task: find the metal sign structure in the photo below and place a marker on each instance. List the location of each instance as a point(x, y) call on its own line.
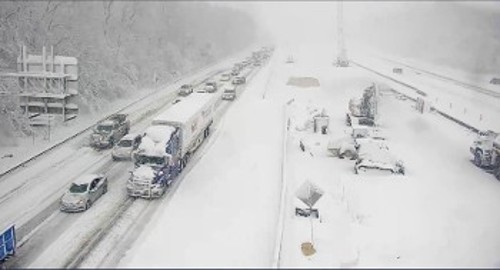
point(309, 193)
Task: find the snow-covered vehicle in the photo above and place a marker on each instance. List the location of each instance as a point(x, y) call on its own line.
point(225, 77)
point(360, 131)
point(239, 80)
point(186, 89)
point(235, 72)
point(168, 144)
point(210, 86)
point(110, 131)
point(362, 110)
point(83, 192)
point(343, 148)
point(486, 151)
point(229, 92)
point(124, 148)
point(375, 155)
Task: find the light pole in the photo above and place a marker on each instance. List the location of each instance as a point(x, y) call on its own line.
point(342, 60)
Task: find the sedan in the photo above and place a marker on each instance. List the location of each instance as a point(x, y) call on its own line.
point(83, 192)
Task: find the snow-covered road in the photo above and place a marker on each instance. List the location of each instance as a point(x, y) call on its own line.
point(224, 213)
point(29, 197)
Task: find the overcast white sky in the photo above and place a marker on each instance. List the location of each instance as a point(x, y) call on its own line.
point(295, 21)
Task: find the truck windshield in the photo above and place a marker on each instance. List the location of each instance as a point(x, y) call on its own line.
point(104, 128)
point(149, 160)
point(229, 91)
point(78, 188)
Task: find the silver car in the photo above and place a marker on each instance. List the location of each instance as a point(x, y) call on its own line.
point(124, 148)
point(83, 192)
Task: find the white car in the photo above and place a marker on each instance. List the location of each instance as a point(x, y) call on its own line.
point(239, 80)
point(229, 93)
point(83, 192)
point(225, 77)
point(125, 147)
point(376, 156)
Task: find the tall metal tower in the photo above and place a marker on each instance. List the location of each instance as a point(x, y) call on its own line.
point(342, 60)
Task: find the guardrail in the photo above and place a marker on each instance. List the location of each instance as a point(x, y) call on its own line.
point(53, 147)
point(419, 92)
point(281, 221)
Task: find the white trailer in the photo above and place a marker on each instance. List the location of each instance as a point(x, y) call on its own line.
point(169, 142)
point(193, 116)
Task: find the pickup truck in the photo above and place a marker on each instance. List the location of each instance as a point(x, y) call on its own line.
point(109, 131)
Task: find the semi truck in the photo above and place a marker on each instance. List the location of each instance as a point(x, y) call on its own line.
point(486, 151)
point(169, 142)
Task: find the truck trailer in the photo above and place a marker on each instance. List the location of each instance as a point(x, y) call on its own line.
point(168, 144)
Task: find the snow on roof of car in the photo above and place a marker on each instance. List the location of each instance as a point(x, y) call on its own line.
point(377, 164)
point(107, 123)
point(374, 154)
point(129, 136)
point(181, 112)
point(85, 179)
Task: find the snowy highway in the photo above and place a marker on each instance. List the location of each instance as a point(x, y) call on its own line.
point(41, 226)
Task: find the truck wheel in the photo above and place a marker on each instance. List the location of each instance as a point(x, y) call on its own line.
point(477, 158)
point(87, 205)
point(105, 189)
point(497, 173)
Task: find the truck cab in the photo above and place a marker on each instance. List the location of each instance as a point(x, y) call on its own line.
point(486, 150)
point(156, 162)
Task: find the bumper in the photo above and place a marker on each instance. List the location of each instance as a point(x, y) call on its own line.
point(102, 144)
point(145, 193)
point(72, 208)
point(118, 156)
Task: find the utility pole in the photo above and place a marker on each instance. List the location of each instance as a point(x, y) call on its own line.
point(342, 60)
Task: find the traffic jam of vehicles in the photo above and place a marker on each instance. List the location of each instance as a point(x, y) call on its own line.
point(159, 153)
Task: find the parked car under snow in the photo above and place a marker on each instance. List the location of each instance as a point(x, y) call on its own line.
point(375, 156)
point(342, 148)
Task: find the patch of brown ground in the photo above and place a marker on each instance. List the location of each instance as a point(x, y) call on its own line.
point(303, 82)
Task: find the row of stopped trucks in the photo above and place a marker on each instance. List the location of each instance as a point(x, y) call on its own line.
point(169, 142)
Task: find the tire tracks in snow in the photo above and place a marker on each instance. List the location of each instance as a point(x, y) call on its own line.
point(151, 207)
